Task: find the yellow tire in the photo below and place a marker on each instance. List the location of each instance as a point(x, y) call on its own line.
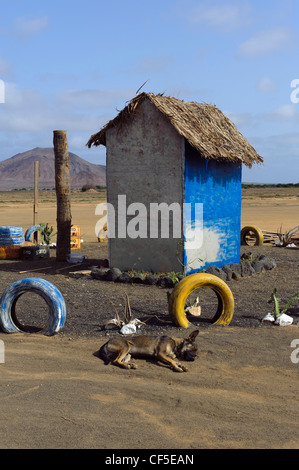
point(184, 288)
point(257, 233)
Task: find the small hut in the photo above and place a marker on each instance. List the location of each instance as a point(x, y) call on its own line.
point(183, 159)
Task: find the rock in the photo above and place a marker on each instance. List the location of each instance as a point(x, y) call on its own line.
point(216, 272)
point(165, 281)
point(212, 270)
point(246, 270)
point(221, 274)
point(113, 274)
point(257, 266)
point(246, 255)
point(228, 272)
point(268, 263)
point(99, 273)
point(138, 278)
point(124, 278)
point(236, 276)
point(236, 268)
point(151, 280)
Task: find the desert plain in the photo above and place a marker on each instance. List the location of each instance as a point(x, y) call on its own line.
point(268, 208)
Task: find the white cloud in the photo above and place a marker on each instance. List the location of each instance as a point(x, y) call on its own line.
point(283, 113)
point(266, 42)
point(280, 153)
point(22, 98)
point(241, 119)
point(25, 27)
point(5, 68)
point(26, 110)
point(226, 17)
point(287, 140)
point(266, 85)
point(95, 98)
point(27, 120)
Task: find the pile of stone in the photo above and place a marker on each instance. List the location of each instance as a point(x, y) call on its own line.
point(227, 273)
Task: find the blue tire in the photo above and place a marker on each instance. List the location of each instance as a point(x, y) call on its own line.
point(46, 290)
point(30, 231)
point(12, 241)
point(10, 231)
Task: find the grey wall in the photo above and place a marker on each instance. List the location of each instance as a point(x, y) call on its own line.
point(145, 162)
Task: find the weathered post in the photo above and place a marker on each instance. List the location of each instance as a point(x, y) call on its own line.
point(62, 182)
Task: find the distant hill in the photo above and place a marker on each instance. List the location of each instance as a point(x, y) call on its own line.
point(17, 172)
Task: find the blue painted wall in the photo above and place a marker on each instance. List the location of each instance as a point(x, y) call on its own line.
point(217, 186)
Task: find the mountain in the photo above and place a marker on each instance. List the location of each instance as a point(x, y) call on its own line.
point(18, 172)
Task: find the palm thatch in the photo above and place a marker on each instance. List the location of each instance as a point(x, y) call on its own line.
point(204, 126)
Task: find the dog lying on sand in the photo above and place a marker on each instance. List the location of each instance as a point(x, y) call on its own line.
point(119, 350)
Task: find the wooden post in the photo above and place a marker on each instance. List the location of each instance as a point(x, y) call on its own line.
point(35, 205)
point(62, 181)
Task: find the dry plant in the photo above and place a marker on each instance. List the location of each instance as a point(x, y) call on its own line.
point(128, 316)
point(286, 238)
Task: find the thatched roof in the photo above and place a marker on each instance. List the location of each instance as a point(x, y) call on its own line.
point(204, 126)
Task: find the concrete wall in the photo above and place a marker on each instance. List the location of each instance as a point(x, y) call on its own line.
point(218, 187)
point(145, 162)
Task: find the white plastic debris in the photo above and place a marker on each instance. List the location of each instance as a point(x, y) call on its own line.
point(269, 318)
point(284, 320)
point(194, 311)
point(127, 326)
point(131, 327)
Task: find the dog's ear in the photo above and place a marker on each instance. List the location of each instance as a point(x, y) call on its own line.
point(193, 335)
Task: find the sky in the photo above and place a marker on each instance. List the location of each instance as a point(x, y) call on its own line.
point(73, 65)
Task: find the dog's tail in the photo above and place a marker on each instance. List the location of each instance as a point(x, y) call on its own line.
point(103, 354)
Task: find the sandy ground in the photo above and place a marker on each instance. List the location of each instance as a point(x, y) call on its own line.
point(83, 214)
point(271, 214)
point(240, 393)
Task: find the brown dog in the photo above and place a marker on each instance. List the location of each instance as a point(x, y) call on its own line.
point(162, 348)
